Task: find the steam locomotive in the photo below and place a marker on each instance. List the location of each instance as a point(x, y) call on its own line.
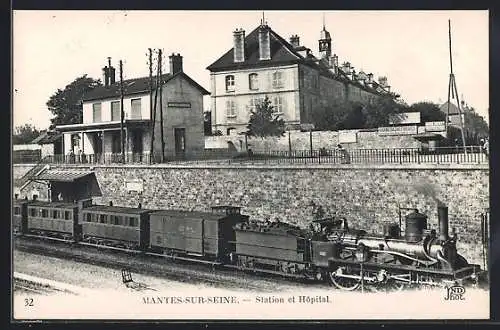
point(327, 251)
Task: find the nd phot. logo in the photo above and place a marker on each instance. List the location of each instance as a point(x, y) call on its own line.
point(455, 292)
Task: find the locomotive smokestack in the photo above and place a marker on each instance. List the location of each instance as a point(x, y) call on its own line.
point(443, 222)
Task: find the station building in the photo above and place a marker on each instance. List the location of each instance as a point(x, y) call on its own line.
point(179, 117)
point(263, 63)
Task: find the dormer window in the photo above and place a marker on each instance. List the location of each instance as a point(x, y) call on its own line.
point(253, 81)
point(277, 79)
point(230, 83)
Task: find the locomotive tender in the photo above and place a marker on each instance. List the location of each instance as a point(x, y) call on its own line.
point(328, 251)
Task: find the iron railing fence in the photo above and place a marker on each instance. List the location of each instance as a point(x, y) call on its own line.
point(443, 155)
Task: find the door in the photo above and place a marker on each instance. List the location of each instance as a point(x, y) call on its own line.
point(180, 141)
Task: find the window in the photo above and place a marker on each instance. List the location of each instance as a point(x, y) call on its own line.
point(278, 104)
point(45, 213)
point(17, 210)
point(136, 108)
point(230, 108)
point(89, 217)
point(33, 212)
point(96, 113)
point(254, 102)
point(55, 214)
point(158, 240)
point(66, 215)
point(277, 79)
point(115, 111)
point(230, 83)
point(102, 218)
point(132, 222)
point(253, 81)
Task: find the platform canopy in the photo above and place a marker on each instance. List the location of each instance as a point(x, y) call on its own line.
point(61, 175)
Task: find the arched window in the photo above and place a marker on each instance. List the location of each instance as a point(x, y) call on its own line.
point(253, 81)
point(230, 83)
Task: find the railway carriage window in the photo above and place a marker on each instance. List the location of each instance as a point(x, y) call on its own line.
point(95, 218)
point(45, 213)
point(17, 211)
point(132, 222)
point(55, 214)
point(102, 218)
point(89, 217)
point(32, 212)
point(66, 215)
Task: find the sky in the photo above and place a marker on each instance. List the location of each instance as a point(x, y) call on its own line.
point(52, 48)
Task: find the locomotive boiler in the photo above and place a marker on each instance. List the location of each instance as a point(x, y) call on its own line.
point(416, 255)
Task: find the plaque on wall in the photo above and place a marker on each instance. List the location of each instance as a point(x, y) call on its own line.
point(136, 185)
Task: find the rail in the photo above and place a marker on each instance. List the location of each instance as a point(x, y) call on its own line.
point(443, 155)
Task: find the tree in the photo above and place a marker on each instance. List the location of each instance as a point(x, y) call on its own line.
point(66, 104)
point(207, 123)
point(475, 124)
point(340, 114)
point(25, 134)
point(337, 115)
point(378, 112)
point(264, 121)
point(428, 111)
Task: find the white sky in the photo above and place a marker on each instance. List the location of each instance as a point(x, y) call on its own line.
point(52, 48)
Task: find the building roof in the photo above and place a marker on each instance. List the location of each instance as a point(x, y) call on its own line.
point(282, 53)
point(453, 108)
point(135, 86)
point(61, 175)
point(47, 137)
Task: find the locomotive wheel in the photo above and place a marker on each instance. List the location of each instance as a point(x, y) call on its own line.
point(347, 284)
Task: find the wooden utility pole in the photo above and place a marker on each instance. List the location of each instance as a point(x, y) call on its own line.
point(122, 113)
point(453, 92)
point(152, 114)
point(161, 105)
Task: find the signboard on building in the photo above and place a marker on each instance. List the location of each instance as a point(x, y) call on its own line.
point(179, 104)
point(348, 136)
point(136, 185)
point(398, 130)
point(435, 126)
point(405, 118)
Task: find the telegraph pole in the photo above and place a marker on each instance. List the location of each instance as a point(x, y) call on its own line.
point(152, 114)
point(453, 92)
point(161, 105)
point(122, 113)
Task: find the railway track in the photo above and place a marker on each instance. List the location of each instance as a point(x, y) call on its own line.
point(34, 288)
point(157, 265)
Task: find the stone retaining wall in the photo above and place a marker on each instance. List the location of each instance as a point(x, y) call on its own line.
point(367, 197)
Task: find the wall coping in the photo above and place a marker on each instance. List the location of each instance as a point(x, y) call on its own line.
point(449, 166)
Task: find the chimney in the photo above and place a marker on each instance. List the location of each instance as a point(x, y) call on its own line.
point(335, 63)
point(264, 42)
point(295, 41)
point(111, 72)
point(382, 81)
point(443, 222)
point(239, 45)
point(105, 76)
point(175, 63)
